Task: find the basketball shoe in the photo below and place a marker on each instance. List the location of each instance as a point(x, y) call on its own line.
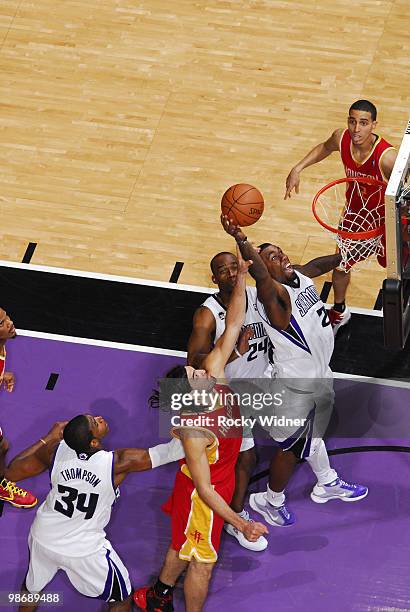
point(279, 517)
point(338, 319)
point(260, 544)
point(147, 599)
point(338, 489)
point(16, 496)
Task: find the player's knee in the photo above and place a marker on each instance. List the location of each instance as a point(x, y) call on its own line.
point(201, 569)
point(121, 606)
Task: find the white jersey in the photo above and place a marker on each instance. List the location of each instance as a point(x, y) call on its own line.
point(255, 362)
point(72, 519)
point(304, 349)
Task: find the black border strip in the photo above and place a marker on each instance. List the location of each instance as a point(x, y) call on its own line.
point(29, 252)
point(324, 294)
point(345, 451)
point(176, 272)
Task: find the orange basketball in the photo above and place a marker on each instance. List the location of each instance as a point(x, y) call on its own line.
point(243, 204)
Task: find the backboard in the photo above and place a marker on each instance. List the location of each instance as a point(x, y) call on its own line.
point(396, 286)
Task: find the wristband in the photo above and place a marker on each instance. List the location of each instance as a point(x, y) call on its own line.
point(237, 352)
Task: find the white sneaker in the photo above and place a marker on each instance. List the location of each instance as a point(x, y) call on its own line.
point(278, 517)
point(260, 544)
point(338, 489)
point(338, 319)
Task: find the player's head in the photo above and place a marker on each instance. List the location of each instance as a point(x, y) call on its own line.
point(179, 381)
point(277, 262)
point(7, 329)
point(224, 268)
point(84, 433)
point(361, 121)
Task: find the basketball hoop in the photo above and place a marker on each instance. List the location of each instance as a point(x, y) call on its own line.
point(352, 209)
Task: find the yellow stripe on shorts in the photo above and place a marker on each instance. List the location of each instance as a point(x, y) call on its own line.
point(198, 532)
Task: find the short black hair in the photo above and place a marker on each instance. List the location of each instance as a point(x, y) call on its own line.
point(212, 264)
point(264, 246)
point(175, 381)
point(366, 106)
point(77, 434)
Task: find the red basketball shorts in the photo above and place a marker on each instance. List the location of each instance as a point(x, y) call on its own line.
point(196, 529)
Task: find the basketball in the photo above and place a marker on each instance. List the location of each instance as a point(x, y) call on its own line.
point(243, 204)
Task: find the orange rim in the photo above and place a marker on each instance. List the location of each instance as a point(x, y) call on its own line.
point(377, 231)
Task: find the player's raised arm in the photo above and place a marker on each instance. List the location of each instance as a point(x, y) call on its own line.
point(200, 342)
point(217, 359)
point(37, 458)
point(320, 265)
point(195, 443)
point(317, 154)
point(272, 294)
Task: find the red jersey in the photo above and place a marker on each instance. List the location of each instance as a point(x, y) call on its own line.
point(196, 529)
point(224, 424)
point(370, 197)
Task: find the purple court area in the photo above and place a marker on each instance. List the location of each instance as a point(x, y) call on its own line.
point(338, 557)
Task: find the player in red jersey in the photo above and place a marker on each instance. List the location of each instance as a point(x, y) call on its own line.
point(363, 153)
point(9, 491)
point(203, 489)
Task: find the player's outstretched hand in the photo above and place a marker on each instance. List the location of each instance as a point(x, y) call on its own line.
point(252, 531)
point(243, 340)
point(56, 432)
point(232, 229)
point(292, 182)
point(8, 381)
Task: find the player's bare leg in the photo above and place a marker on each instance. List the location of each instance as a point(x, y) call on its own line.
point(196, 585)
point(339, 314)
point(31, 608)
point(340, 281)
point(281, 469)
point(172, 568)
point(121, 606)
point(243, 470)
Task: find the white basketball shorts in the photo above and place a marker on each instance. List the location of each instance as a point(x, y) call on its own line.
point(101, 574)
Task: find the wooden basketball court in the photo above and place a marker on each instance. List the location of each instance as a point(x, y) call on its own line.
point(122, 124)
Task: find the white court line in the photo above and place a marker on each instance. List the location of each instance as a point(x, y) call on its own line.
point(107, 277)
point(105, 343)
point(139, 281)
point(159, 351)
point(387, 382)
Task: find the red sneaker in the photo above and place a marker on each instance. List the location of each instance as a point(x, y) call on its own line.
point(147, 599)
point(16, 496)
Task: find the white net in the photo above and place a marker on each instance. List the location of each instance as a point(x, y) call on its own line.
point(349, 208)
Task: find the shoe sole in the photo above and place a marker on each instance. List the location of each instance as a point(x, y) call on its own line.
point(265, 515)
point(19, 505)
point(323, 500)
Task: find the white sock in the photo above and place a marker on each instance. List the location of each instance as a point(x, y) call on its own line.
point(242, 514)
point(319, 462)
point(274, 498)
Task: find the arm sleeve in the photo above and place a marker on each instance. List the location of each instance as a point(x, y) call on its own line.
point(166, 453)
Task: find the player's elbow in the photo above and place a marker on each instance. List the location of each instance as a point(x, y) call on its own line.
point(204, 491)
